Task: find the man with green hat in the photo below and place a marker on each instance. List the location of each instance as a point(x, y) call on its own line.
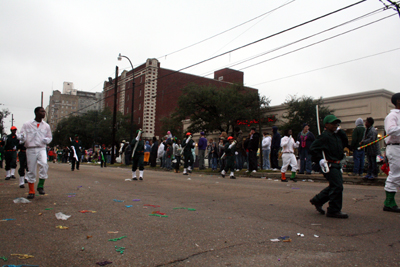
point(327, 149)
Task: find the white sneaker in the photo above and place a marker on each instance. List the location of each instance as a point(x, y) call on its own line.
point(275, 169)
point(254, 171)
point(247, 171)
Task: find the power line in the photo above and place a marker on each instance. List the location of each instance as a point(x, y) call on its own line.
point(226, 30)
point(333, 65)
point(321, 41)
point(297, 41)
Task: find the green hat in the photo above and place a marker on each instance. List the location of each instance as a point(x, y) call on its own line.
point(330, 119)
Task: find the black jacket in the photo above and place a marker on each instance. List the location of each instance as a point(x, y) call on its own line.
point(253, 142)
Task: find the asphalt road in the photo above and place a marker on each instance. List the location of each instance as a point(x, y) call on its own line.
point(232, 224)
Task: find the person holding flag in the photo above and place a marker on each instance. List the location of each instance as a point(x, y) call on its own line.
point(230, 148)
point(137, 156)
point(76, 147)
point(103, 152)
point(327, 149)
point(187, 145)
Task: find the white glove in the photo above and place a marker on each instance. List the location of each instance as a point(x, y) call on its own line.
point(14, 148)
point(187, 140)
point(337, 130)
point(324, 165)
point(236, 153)
point(297, 143)
point(137, 138)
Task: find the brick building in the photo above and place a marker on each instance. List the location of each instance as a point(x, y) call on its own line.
point(157, 91)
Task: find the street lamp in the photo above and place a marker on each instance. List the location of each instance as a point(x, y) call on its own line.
point(133, 91)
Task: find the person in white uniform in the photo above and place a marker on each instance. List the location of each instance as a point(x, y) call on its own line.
point(288, 158)
point(392, 127)
point(36, 134)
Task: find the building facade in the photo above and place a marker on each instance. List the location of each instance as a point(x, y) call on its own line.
point(156, 92)
point(71, 101)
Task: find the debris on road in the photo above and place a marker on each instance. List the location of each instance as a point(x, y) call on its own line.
point(22, 256)
point(62, 216)
point(128, 206)
point(154, 206)
point(116, 239)
point(87, 211)
point(120, 249)
point(21, 200)
point(103, 263)
point(5, 220)
point(62, 227)
point(116, 200)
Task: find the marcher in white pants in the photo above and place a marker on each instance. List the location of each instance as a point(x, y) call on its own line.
point(288, 158)
point(36, 134)
point(392, 127)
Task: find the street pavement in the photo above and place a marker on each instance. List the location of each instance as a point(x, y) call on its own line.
point(228, 223)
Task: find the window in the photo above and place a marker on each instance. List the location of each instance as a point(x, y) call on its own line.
point(140, 106)
point(139, 120)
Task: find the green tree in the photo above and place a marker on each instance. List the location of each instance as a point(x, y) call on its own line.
point(302, 110)
point(217, 109)
point(94, 127)
point(3, 114)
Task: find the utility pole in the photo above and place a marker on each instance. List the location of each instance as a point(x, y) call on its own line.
point(395, 4)
point(42, 100)
point(114, 115)
point(12, 120)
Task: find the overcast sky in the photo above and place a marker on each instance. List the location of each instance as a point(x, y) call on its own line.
point(44, 43)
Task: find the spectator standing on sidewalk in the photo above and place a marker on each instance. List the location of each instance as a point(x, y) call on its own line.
point(305, 138)
point(371, 151)
point(202, 145)
point(275, 146)
point(252, 146)
point(358, 155)
point(266, 149)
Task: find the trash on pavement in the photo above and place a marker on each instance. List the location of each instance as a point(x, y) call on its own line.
point(158, 215)
point(120, 249)
point(275, 240)
point(154, 206)
point(316, 235)
point(103, 263)
point(87, 211)
point(116, 200)
point(21, 200)
point(22, 256)
point(89, 236)
point(3, 258)
point(62, 227)
point(4, 220)
point(116, 239)
point(112, 232)
point(128, 206)
point(62, 216)
point(301, 235)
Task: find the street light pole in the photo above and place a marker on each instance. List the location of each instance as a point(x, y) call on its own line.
point(133, 91)
point(114, 114)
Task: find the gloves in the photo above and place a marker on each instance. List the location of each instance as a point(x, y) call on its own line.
point(297, 143)
point(187, 140)
point(324, 165)
point(137, 138)
point(236, 153)
point(14, 148)
point(337, 130)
